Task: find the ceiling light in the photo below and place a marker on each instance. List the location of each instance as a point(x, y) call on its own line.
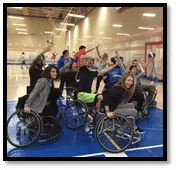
point(122, 34)
point(47, 32)
point(60, 29)
point(107, 38)
point(24, 44)
point(15, 43)
point(101, 32)
point(32, 45)
point(145, 28)
point(23, 25)
point(62, 23)
point(39, 44)
point(22, 32)
point(16, 7)
point(149, 14)
point(75, 15)
point(117, 25)
point(88, 36)
point(14, 17)
point(10, 44)
point(19, 29)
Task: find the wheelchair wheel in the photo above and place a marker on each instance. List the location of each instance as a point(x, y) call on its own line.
point(23, 129)
point(75, 115)
point(114, 135)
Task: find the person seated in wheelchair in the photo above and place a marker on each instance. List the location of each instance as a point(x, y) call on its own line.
point(120, 92)
point(68, 78)
point(86, 77)
point(149, 88)
point(112, 76)
point(138, 96)
point(43, 97)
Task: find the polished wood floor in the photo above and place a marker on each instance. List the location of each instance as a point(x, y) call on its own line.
point(18, 79)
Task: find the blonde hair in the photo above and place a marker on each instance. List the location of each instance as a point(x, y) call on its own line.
point(128, 92)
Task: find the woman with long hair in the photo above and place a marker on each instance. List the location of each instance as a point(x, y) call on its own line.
point(39, 98)
point(122, 92)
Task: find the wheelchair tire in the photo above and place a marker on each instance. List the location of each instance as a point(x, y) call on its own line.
point(118, 148)
point(38, 124)
point(78, 106)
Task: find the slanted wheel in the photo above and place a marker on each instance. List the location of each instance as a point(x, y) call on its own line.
point(23, 129)
point(114, 135)
point(75, 114)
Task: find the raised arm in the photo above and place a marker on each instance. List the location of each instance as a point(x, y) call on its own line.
point(98, 52)
point(107, 69)
point(148, 62)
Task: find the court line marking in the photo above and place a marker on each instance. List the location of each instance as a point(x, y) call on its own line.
point(94, 154)
point(106, 154)
point(145, 147)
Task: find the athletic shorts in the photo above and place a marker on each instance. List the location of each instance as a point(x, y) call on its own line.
point(87, 97)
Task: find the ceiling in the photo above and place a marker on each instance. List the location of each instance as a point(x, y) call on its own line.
point(58, 13)
point(37, 21)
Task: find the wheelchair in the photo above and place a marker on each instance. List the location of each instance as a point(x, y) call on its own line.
point(113, 135)
point(25, 129)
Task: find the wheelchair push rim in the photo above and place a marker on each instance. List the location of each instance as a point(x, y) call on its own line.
point(24, 129)
point(75, 115)
point(110, 135)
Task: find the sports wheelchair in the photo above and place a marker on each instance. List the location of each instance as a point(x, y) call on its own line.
point(114, 135)
point(25, 129)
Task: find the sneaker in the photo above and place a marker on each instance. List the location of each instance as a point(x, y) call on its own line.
point(139, 131)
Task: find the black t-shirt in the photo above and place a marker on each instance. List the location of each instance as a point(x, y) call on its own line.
point(69, 79)
point(86, 78)
point(113, 97)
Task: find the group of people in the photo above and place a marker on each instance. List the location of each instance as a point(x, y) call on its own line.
point(122, 84)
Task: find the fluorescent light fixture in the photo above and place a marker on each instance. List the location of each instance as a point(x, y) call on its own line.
point(60, 29)
point(39, 44)
point(23, 25)
point(101, 32)
point(107, 38)
point(75, 15)
point(88, 36)
point(47, 32)
point(122, 34)
point(62, 23)
point(10, 44)
point(16, 7)
point(22, 32)
point(24, 44)
point(149, 14)
point(93, 40)
point(145, 28)
point(32, 45)
point(15, 43)
point(20, 29)
point(117, 25)
point(14, 17)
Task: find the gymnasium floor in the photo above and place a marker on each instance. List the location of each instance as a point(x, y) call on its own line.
point(82, 142)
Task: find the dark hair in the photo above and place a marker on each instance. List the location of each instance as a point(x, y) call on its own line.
point(132, 66)
point(113, 60)
point(64, 52)
point(22, 52)
point(46, 73)
point(82, 47)
point(121, 58)
point(36, 61)
point(134, 60)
